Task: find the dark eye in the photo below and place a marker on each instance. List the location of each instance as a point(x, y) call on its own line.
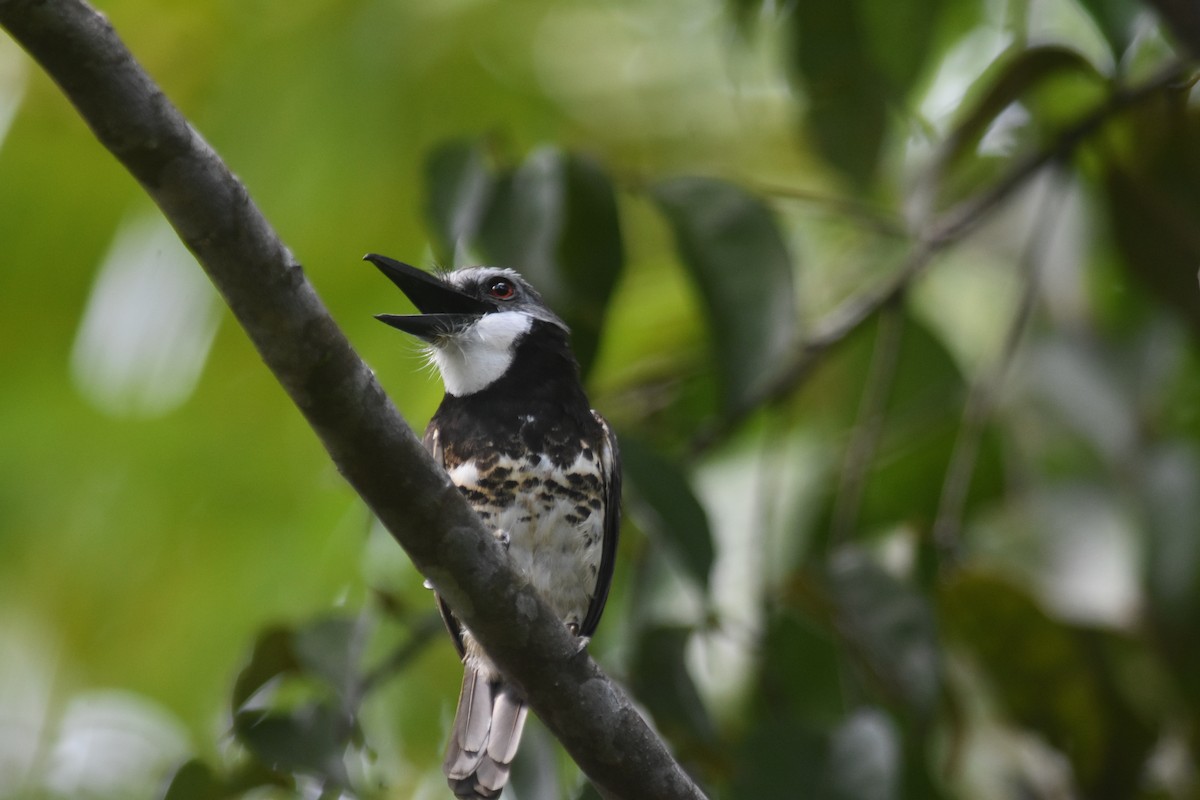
point(502, 289)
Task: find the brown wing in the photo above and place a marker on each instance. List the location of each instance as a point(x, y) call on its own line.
point(433, 443)
point(610, 471)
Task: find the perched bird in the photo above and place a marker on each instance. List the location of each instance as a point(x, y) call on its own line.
point(519, 439)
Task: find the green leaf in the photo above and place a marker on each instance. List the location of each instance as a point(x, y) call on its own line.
point(900, 37)
point(459, 189)
point(1153, 206)
point(331, 649)
point(661, 681)
point(889, 626)
point(1017, 77)
point(194, 781)
point(799, 675)
point(1116, 19)
point(847, 110)
point(1051, 678)
point(736, 256)
point(311, 740)
point(780, 759)
point(273, 656)
point(591, 252)
point(661, 499)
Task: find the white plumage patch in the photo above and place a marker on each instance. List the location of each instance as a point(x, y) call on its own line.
point(475, 358)
point(553, 541)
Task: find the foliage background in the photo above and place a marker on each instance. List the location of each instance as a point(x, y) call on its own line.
point(948, 550)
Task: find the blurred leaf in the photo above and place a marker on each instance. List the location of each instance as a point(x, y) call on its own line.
point(1153, 205)
point(459, 190)
point(859, 759)
point(900, 37)
point(591, 253)
point(799, 675)
point(922, 420)
point(1171, 507)
point(864, 758)
point(1016, 78)
point(665, 506)
point(661, 681)
point(588, 792)
point(1115, 19)
point(736, 256)
point(311, 740)
point(890, 627)
point(273, 656)
point(194, 781)
point(1050, 678)
point(777, 754)
point(847, 109)
point(535, 773)
point(331, 649)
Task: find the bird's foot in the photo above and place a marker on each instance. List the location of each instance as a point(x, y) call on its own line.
point(573, 629)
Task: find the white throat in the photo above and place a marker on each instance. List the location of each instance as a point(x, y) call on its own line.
point(477, 357)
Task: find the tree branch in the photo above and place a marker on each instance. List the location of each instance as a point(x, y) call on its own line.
point(373, 447)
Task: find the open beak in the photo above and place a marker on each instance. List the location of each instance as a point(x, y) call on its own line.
point(444, 309)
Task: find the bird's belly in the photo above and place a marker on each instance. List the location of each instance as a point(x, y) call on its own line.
point(555, 551)
point(553, 522)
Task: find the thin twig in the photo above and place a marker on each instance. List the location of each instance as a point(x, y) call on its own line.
point(864, 439)
point(981, 399)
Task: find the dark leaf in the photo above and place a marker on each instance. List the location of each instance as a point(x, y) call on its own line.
point(1116, 19)
point(331, 649)
point(889, 626)
point(459, 189)
point(799, 676)
point(591, 253)
point(310, 740)
point(736, 256)
point(1153, 206)
point(1051, 678)
point(780, 758)
point(661, 681)
point(1017, 77)
point(194, 781)
point(273, 656)
point(661, 500)
point(847, 111)
point(900, 38)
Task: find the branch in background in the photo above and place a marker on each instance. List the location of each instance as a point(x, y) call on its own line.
point(948, 228)
point(981, 400)
point(373, 447)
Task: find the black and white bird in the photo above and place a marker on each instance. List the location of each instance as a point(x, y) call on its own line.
point(519, 439)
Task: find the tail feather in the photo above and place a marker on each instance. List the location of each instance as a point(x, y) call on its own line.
point(483, 741)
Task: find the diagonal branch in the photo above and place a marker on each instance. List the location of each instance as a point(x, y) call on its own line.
point(372, 446)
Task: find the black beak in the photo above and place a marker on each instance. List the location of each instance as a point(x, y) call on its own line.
point(443, 308)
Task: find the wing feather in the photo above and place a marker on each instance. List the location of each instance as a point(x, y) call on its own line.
point(433, 444)
point(610, 471)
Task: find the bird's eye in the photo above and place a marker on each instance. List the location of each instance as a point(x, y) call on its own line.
point(502, 289)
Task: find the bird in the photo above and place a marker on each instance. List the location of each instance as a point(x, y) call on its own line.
point(518, 437)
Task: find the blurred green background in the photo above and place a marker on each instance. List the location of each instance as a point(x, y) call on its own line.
point(951, 549)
